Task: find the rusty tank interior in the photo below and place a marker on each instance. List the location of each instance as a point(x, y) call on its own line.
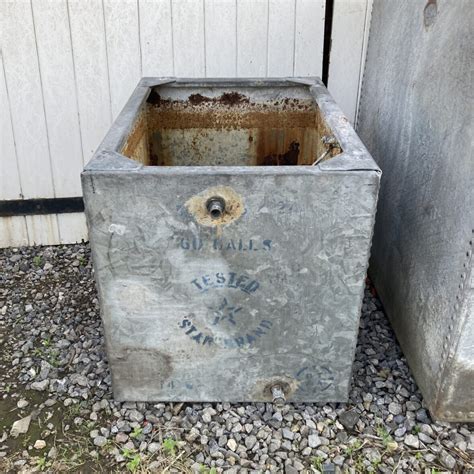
point(222, 126)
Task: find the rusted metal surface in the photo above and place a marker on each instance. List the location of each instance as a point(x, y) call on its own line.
point(259, 300)
point(228, 129)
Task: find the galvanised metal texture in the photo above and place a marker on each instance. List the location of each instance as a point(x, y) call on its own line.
point(416, 119)
point(231, 283)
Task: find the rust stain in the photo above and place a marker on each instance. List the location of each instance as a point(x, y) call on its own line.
point(233, 98)
point(196, 99)
point(284, 132)
point(234, 206)
point(155, 367)
point(285, 159)
point(263, 387)
point(136, 146)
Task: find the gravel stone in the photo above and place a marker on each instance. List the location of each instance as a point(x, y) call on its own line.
point(20, 426)
point(100, 441)
point(51, 333)
point(447, 460)
point(136, 416)
point(394, 408)
point(22, 404)
point(424, 438)
point(232, 444)
point(154, 447)
point(412, 441)
point(121, 438)
point(39, 444)
point(349, 419)
point(250, 441)
point(314, 441)
point(40, 386)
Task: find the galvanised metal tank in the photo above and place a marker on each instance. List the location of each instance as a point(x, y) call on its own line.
point(230, 223)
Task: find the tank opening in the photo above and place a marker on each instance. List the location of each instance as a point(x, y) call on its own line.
point(224, 126)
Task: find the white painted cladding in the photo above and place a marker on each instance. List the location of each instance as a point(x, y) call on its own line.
point(67, 68)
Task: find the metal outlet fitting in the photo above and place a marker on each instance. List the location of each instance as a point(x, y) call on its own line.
point(215, 206)
point(278, 396)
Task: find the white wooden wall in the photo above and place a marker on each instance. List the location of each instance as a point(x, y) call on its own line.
point(68, 66)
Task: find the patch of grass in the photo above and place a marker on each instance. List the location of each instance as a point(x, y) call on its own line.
point(74, 409)
point(48, 354)
point(169, 446)
point(352, 448)
point(82, 261)
point(359, 464)
point(133, 459)
point(46, 342)
point(38, 261)
point(26, 441)
point(416, 429)
point(134, 463)
point(42, 463)
point(137, 431)
point(375, 464)
point(383, 433)
point(205, 470)
point(317, 462)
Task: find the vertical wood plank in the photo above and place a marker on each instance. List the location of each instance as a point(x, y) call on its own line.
point(156, 37)
point(281, 37)
point(72, 228)
point(26, 99)
point(123, 50)
point(252, 35)
point(309, 37)
point(91, 72)
point(221, 38)
point(43, 229)
point(10, 186)
point(60, 102)
point(350, 22)
point(13, 232)
point(188, 38)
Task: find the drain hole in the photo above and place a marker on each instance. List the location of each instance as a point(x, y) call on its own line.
point(215, 206)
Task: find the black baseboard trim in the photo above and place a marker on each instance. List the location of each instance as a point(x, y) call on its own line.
point(32, 207)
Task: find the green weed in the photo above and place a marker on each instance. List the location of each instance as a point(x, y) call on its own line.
point(169, 446)
point(42, 463)
point(384, 435)
point(133, 464)
point(137, 431)
point(317, 462)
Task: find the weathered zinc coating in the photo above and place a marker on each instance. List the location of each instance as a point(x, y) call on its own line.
point(264, 295)
point(416, 119)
